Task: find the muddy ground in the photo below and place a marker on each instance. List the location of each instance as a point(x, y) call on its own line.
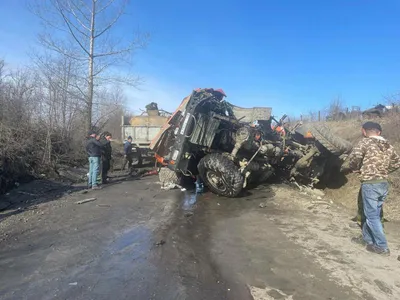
point(136, 241)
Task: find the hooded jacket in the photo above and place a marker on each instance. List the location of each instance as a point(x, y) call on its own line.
point(375, 158)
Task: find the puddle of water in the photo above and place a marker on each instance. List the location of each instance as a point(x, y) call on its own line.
point(189, 200)
point(137, 241)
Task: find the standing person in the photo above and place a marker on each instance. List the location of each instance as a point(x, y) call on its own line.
point(93, 149)
point(360, 218)
point(374, 158)
point(106, 156)
point(128, 153)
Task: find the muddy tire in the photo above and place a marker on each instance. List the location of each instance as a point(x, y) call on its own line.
point(331, 142)
point(167, 176)
point(221, 175)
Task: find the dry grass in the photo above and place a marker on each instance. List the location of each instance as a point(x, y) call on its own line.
point(347, 195)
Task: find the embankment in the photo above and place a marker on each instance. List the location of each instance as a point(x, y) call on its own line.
point(347, 193)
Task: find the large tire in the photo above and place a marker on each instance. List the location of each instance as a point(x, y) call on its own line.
point(334, 144)
point(167, 177)
point(221, 175)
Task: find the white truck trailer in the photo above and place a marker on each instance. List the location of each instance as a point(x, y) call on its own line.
point(143, 128)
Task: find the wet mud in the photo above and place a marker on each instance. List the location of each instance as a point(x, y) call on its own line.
point(235, 243)
point(185, 258)
point(151, 244)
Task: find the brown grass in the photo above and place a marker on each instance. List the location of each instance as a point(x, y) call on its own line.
point(347, 195)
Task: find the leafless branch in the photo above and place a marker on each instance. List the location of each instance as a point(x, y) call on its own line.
point(104, 67)
point(76, 27)
point(87, 36)
point(68, 23)
point(52, 45)
point(72, 3)
point(114, 21)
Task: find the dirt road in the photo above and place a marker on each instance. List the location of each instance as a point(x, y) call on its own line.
point(136, 241)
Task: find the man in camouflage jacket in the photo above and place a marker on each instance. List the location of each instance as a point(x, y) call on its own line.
point(374, 158)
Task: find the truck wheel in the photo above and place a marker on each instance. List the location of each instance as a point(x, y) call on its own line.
point(167, 176)
point(331, 142)
point(221, 175)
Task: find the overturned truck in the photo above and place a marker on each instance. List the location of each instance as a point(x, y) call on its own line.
point(230, 147)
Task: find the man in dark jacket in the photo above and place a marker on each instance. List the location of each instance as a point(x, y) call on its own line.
point(128, 153)
point(106, 157)
point(94, 150)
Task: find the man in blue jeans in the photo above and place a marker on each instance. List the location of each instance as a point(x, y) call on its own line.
point(374, 158)
point(94, 151)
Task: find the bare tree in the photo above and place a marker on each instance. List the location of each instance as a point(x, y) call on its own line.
point(59, 74)
point(40, 114)
point(84, 31)
point(18, 100)
point(313, 115)
point(393, 102)
point(336, 109)
point(110, 103)
point(392, 98)
point(2, 67)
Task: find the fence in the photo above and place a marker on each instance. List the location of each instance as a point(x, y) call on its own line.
point(353, 113)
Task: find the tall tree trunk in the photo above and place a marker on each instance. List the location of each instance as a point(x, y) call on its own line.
point(91, 62)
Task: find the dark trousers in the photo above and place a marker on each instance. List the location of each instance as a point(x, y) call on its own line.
point(127, 160)
point(104, 169)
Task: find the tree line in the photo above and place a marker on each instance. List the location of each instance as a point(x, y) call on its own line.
point(73, 83)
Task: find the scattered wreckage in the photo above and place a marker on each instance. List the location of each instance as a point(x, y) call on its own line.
point(230, 148)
